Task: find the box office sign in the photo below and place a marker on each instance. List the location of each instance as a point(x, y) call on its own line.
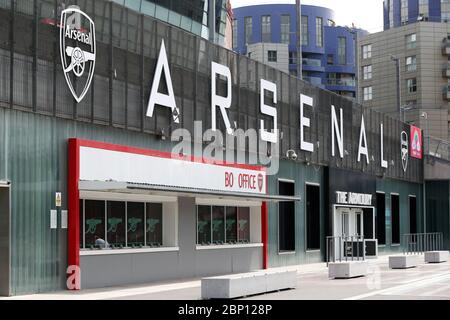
point(416, 142)
point(98, 164)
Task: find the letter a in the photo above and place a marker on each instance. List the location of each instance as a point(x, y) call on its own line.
point(165, 100)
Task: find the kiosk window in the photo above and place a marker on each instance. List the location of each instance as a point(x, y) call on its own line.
point(204, 225)
point(154, 224)
point(395, 215)
point(219, 225)
point(231, 225)
point(116, 224)
point(286, 218)
point(313, 217)
point(94, 214)
point(244, 225)
point(127, 224)
point(381, 219)
point(135, 224)
point(81, 224)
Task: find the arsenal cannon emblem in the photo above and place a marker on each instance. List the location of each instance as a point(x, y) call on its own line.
point(78, 51)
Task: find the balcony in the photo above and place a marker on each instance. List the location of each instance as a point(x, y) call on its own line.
point(341, 82)
point(446, 93)
point(446, 70)
point(446, 47)
point(312, 62)
point(312, 65)
point(316, 81)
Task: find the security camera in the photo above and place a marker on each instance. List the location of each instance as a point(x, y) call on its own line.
point(291, 154)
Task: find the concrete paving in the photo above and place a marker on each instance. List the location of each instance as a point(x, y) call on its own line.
point(427, 281)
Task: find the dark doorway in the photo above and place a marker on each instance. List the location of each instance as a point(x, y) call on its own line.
point(286, 218)
point(412, 214)
point(312, 217)
point(5, 240)
point(380, 217)
point(395, 216)
point(368, 223)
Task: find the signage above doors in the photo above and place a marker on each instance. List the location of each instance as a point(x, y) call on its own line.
point(352, 198)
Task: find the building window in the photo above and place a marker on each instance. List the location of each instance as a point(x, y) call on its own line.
point(404, 11)
point(411, 85)
point(367, 92)
point(319, 32)
point(265, 29)
point(235, 33)
point(423, 10)
point(285, 28)
point(367, 72)
point(391, 13)
point(223, 225)
point(272, 56)
point(411, 41)
point(380, 225)
point(367, 51)
point(342, 51)
point(248, 21)
point(312, 217)
point(330, 59)
point(305, 31)
point(286, 218)
point(292, 57)
point(395, 216)
point(411, 63)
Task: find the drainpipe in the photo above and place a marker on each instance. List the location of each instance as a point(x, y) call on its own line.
point(212, 20)
point(299, 37)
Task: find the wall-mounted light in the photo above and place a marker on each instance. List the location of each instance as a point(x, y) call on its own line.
point(292, 155)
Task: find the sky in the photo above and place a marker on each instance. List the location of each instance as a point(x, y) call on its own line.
point(365, 14)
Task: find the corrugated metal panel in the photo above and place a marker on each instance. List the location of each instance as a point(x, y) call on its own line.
point(34, 158)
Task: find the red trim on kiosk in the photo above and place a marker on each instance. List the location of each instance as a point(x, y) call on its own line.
point(73, 250)
point(73, 254)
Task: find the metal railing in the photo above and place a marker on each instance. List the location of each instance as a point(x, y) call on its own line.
point(437, 148)
point(313, 80)
point(341, 82)
point(418, 243)
point(312, 62)
point(339, 248)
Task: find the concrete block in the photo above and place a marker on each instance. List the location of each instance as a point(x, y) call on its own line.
point(279, 280)
point(436, 256)
point(347, 269)
point(403, 262)
point(246, 284)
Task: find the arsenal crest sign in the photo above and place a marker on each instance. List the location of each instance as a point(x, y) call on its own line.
point(405, 150)
point(78, 51)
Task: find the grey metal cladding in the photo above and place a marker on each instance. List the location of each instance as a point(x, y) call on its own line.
point(127, 47)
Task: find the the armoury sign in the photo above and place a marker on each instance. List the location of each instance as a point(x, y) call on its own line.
point(78, 52)
point(78, 49)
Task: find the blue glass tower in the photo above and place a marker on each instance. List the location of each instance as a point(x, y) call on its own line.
point(400, 12)
point(328, 51)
